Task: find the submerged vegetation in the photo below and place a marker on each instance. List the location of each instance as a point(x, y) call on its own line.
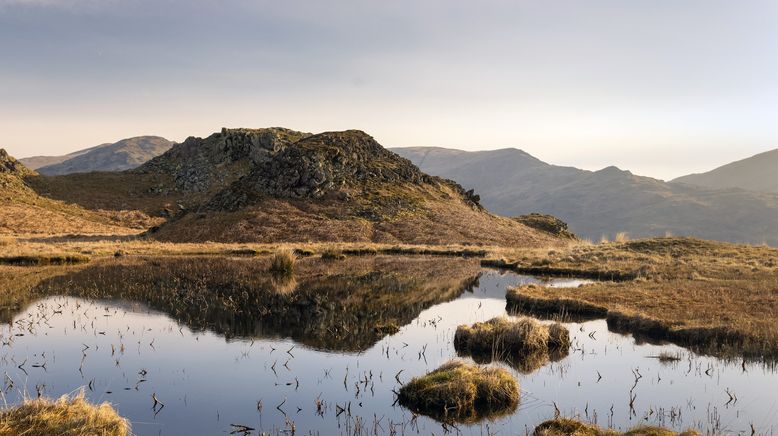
point(65, 416)
point(461, 392)
point(571, 427)
point(524, 343)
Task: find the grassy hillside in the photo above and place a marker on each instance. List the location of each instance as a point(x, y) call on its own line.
point(757, 173)
point(24, 212)
point(604, 202)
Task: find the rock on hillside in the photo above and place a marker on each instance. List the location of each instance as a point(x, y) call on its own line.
point(12, 167)
point(335, 186)
point(202, 165)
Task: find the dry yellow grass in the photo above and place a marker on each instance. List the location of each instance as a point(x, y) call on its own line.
point(64, 417)
point(282, 262)
point(571, 427)
point(718, 298)
point(461, 392)
point(524, 343)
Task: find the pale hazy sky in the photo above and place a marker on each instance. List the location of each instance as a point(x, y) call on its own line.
point(660, 87)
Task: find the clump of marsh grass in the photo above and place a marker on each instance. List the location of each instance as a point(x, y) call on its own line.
point(572, 427)
point(668, 357)
point(67, 416)
point(621, 237)
point(462, 392)
point(524, 342)
point(282, 262)
point(7, 241)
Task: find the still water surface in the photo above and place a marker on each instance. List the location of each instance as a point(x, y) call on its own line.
point(123, 352)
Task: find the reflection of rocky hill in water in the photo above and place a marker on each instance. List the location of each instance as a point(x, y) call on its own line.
point(342, 305)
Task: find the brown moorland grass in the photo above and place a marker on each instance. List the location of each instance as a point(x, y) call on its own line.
point(524, 343)
point(65, 417)
point(716, 298)
point(571, 427)
point(461, 392)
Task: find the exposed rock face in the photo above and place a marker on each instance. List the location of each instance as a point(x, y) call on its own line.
point(334, 163)
point(201, 165)
point(546, 223)
point(9, 165)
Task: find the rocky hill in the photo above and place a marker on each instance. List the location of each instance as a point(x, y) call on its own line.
point(597, 203)
point(122, 155)
point(280, 185)
point(757, 173)
point(204, 165)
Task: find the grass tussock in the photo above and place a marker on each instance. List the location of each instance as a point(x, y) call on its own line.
point(461, 392)
point(621, 237)
point(524, 342)
point(282, 262)
point(67, 417)
point(571, 427)
point(7, 241)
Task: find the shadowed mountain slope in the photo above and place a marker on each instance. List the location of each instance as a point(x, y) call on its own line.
point(123, 155)
point(757, 173)
point(511, 182)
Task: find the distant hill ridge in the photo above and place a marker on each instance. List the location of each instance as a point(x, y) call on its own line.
point(596, 203)
point(119, 156)
point(757, 173)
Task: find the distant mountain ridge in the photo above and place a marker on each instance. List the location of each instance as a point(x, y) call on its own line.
point(757, 173)
point(595, 203)
point(119, 156)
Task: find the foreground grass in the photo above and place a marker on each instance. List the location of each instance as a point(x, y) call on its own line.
point(461, 392)
point(570, 427)
point(716, 298)
point(523, 343)
point(65, 417)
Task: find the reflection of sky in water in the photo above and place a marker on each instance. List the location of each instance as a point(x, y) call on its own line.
point(207, 383)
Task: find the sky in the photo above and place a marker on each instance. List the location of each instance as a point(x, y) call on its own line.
point(661, 87)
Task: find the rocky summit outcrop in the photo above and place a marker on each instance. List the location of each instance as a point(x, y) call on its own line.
point(273, 185)
point(347, 165)
point(207, 164)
